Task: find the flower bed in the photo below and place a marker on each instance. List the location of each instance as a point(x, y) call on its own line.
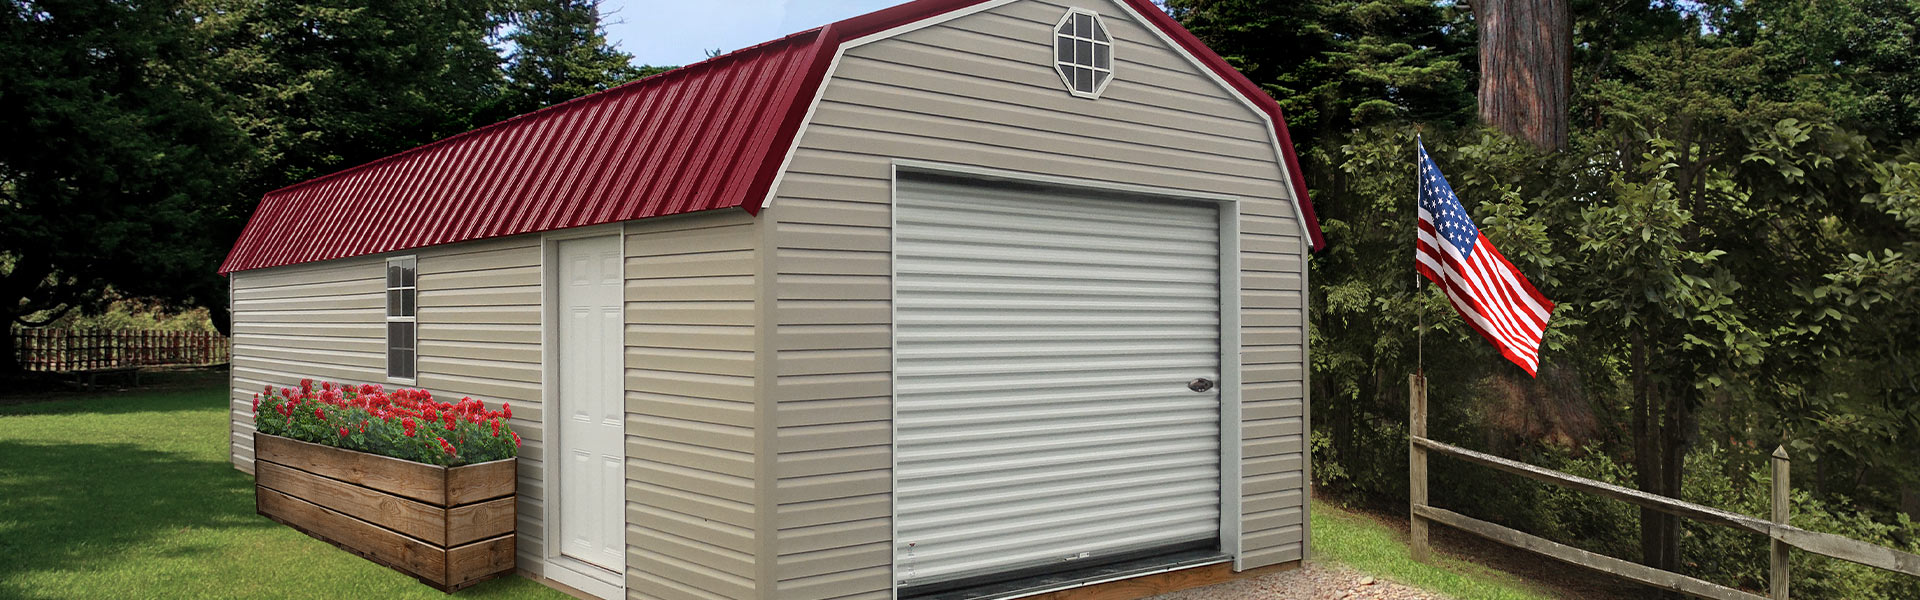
point(424, 487)
point(404, 424)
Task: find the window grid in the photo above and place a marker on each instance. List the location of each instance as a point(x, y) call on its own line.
point(403, 333)
point(1083, 53)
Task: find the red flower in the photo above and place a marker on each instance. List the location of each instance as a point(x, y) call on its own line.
point(449, 424)
point(506, 409)
point(407, 424)
point(343, 431)
point(516, 438)
point(446, 446)
point(496, 428)
point(317, 413)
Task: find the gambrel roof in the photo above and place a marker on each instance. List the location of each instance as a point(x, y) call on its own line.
point(707, 136)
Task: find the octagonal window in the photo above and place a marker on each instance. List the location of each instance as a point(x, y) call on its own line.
point(1083, 53)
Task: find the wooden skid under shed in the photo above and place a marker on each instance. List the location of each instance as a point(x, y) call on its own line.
point(448, 527)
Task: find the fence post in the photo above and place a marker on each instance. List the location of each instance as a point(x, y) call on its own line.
point(1781, 485)
point(1417, 466)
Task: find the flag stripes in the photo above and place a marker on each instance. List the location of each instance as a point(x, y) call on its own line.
point(1488, 292)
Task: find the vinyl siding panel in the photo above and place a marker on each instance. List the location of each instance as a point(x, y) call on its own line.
point(317, 320)
point(479, 336)
point(980, 90)
point(691, 412)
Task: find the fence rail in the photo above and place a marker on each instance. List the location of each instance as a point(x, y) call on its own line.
point(1783, 535)
point(71, 350)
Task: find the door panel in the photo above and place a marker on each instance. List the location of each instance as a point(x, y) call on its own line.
point(1044, 345)
point(591, 413)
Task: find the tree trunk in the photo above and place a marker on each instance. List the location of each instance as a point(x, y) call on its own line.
point(1646, 454)
point(9, 354)
point(1526, 55)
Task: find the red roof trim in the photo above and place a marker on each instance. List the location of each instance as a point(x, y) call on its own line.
point(556, 167)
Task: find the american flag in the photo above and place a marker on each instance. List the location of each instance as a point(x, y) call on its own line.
point(1493, 297)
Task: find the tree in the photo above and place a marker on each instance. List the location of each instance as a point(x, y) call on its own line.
point(1526, 52)
point(560, 52)
point(111, 151)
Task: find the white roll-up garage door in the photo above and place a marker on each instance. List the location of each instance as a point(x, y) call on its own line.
point(1045, 344)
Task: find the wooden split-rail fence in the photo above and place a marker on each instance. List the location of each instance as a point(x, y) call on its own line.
point(1784, 536)
point(63, 350)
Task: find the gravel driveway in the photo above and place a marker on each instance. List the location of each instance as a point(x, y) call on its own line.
point(1312, 582)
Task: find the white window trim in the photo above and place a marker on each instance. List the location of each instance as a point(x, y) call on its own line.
point(1066, 78)
point(387, 337)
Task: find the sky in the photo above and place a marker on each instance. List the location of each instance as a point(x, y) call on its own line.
point(680, 32)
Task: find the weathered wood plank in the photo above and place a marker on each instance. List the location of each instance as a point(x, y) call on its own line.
point(479, 520)
point(392, 511)
point(485, 481)
point(1630, 496)
point(1777, 572)
point(478, 561)
point(1824, 544)
point(1575, 556)
point(379, 545)
point(422, 482)
point(1872, 555)
point(1417, 467)
point(417, 519)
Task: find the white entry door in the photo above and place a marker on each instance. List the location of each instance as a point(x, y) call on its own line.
point(1055, 354)
point(590, 410)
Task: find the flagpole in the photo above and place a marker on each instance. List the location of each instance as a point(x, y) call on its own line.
point(1419, 330)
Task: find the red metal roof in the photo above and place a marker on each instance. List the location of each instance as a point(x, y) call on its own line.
point(706, 136)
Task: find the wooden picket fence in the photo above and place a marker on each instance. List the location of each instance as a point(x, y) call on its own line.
point(63, 350)
point(1784, 537)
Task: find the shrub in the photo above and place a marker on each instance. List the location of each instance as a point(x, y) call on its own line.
point(1722, 478)
point(404, 424)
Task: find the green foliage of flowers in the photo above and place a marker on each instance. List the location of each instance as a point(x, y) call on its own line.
point(405, 424)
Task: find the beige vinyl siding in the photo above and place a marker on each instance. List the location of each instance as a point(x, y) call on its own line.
point(980, 90)
point(479, 336)
point(691, 411)
point(323, 320)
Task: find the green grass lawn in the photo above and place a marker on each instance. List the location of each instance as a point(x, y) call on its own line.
point(131, 496)
point(1358, 541)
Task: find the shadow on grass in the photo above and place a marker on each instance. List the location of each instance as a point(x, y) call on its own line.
point(191, 395)
point(75, 507)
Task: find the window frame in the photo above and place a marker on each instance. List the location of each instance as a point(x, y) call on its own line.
point(1066, 69)
point(407, 263)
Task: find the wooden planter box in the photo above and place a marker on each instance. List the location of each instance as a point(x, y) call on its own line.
point(450, 527)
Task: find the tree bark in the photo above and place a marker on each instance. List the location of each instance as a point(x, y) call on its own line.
point(9, 353)
point(1526, 55)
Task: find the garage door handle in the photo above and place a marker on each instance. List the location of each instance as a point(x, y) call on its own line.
point(1200, 385)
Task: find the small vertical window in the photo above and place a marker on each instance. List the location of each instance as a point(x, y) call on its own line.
point(402, 303)
point(1083, 53)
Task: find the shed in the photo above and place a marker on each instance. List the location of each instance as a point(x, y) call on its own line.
point(957, 299)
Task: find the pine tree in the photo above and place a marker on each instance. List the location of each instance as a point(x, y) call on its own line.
point(560, 52)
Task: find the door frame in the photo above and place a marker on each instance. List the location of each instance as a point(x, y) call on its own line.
point(1228, 209)
point(574, 573)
